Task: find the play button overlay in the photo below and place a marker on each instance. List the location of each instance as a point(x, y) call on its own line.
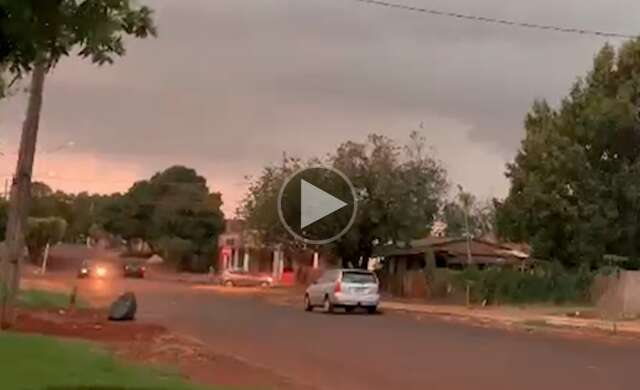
point(317, 205)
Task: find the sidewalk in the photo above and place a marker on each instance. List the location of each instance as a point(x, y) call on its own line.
point(524, 317)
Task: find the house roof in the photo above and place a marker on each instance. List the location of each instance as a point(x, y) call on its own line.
point(234, 225)
point(452, 246)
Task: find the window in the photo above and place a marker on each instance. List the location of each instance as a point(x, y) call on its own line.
point(359, 277)
point(328, 276)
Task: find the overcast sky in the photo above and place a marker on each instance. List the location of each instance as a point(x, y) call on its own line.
point(230, 84)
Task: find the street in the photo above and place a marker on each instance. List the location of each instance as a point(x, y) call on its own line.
point(390, 350)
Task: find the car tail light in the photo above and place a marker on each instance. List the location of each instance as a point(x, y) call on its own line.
point(338, 287)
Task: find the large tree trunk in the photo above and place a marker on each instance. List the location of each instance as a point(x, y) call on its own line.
point(20, 198)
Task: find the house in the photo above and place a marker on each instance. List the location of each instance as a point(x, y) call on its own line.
point(403, 264)
point(241, 248)
point(235, 246)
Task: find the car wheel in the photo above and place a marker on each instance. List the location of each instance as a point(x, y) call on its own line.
point(349, 309)
point(372, 309)
point(327, 306)
point(228, 283)
point(307, 304)
point(264, 284)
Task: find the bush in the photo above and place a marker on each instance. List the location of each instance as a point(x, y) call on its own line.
point(549, 283)
point(176, 250)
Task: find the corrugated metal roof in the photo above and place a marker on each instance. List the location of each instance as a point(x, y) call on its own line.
point(454, 246)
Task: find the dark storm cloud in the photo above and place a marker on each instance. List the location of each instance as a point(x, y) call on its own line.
point(233, 83)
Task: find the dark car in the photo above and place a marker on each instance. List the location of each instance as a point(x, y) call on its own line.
point(134, 270)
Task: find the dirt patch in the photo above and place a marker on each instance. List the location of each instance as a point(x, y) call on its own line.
point(200, 365)
point(84, 324)
point(149, 343)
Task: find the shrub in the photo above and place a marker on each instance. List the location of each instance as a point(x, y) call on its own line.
point(548, 283)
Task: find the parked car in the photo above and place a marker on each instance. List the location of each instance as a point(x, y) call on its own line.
point(134, 269)
point(239, 277)
point(90, 270)
point(344, 288)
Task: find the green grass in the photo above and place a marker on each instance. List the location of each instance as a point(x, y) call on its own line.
point(44, 363)
point(41, 299)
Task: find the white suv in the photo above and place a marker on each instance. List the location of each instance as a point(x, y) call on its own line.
point(347, 288)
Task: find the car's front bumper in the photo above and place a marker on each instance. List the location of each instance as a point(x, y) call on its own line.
point(349, 299)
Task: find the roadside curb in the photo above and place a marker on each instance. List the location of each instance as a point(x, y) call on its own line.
point(601, 326)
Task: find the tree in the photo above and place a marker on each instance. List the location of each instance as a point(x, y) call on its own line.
point(481, 216)
point(4, 208)
point(400, 189)
point(574, 190)
point(259, 208)
point(34, 35)
point(174, 207)
point(42, 232)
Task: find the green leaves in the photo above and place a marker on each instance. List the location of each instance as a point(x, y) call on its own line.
point(41, 231)
point(400, 189)
point(46, 30)
point(174, 211)
point(573, 194)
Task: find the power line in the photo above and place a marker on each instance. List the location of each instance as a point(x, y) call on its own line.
point(504, 22)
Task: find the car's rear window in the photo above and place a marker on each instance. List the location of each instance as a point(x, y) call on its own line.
point(358, 277)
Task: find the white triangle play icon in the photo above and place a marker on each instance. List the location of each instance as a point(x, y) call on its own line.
point(316, 204)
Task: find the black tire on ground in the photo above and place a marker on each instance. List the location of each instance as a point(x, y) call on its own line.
point(327, 306)
point(372, 309)
point(349, 309)
point(124, 308)
point(307, 304)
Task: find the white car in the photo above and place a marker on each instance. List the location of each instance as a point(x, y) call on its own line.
point(345, 288)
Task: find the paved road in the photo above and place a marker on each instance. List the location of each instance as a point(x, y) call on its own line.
point(389, 351)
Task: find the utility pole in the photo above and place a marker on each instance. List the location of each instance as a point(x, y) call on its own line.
point(468, 235)
point(20, 197)
point(466, 204)
point(6, 189)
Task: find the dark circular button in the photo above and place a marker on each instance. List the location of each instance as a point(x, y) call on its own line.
point(317, 205)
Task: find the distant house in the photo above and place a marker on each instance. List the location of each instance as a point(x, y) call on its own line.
point(240, 248)
point(232, 245)
point(404, 262)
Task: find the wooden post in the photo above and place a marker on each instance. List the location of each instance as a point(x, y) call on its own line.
point(20, 197)
point(73, 297)
point(44, 258)
point(245, 260)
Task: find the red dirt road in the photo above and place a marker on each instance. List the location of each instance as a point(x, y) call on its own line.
point(361, 352)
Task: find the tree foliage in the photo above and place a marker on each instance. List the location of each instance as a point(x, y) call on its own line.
point(47, 30)
point(400, 190)
point(575, 193)
point(173, 206)
point(43, 231)
point(480, 214)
